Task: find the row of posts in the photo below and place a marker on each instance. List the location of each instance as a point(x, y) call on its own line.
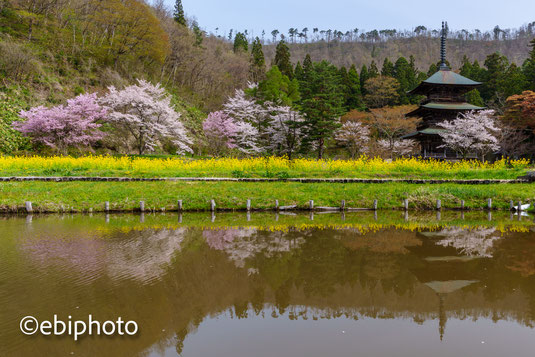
point(342, 207)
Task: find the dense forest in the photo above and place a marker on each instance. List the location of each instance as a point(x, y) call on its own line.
point(277, 94)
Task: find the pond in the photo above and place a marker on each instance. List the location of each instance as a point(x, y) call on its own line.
point(264, 284)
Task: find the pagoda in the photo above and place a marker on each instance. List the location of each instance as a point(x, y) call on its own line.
point(445, 100)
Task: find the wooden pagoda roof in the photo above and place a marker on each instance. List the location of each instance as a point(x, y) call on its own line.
point(444, 77)
point(459, 106)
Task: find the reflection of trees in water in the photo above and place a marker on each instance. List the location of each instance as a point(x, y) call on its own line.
point(140, 255)
point(475, 242)
point(242, 244)
point(313, 274)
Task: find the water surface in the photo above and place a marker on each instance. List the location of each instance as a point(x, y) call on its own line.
point(273, 285)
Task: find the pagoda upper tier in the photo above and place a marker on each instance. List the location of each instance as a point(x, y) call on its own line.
point(445, 81)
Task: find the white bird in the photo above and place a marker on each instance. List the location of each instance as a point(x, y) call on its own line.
point(522, 207)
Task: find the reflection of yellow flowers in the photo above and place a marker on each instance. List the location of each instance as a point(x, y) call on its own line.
point(252, 166)
point(360, 229)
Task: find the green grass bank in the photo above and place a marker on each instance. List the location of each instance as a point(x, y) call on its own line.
point(125, 196)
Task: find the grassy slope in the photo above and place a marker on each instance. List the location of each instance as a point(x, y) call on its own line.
point(50, 196)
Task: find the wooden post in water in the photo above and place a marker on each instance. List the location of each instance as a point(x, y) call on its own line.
point(212, 205)
point(106, 206)
point(462, 205)
point(276, 205)
point(406, 204)
point(511, 205)
point(142, 206)
point(489, 204)
point(29, 208)
point(179, 206)
point(248, 205)
point(439, 205)
point(519, 207)
point(311, 205)
point(375, 205)
point(343, 205)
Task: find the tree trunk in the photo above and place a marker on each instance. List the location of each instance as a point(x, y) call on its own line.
point(320, 149)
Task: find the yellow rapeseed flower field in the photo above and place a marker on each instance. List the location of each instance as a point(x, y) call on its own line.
point(363, 167)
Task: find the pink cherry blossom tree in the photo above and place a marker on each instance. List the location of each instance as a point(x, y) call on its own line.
point(284, 129)
point(354, 136)
point(471, 132)
point(144, 111)
point(65, 126)
point(221, 132)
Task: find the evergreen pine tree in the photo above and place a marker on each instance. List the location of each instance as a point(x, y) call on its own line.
point(433, 68)
point(199, 34)
point(258, 63)
point(364, 76)
point(307, 65)
point(474, 97)
point(178, 13)
point(240, 43)
point(351, 87)
point(298, 71)
point(494, 79)
point(388, 68)
point(402, 74)
point(528, 68)
point(466, 68)
point(515, 82)
point(477, 73)
point(373, 71)
point(282, 59)
point(322, 103)
point(413, 73)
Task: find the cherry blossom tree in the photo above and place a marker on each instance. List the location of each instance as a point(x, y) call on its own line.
point(397, 147)
point(284, 129)
point(247, 138)
point(64, 126)
point(241, 108)
point(250, 118)
point(221, 131)
point(144, 111)
point(471, 132)
point(354, 136)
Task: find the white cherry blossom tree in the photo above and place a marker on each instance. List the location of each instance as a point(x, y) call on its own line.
point(471, 132)
point(284, 129)
point(144, 111)
point(397, 147)
point(354, 136)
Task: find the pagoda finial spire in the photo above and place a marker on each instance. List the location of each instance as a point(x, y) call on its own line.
point(443, 65)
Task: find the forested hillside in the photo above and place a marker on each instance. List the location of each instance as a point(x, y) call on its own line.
point(90, 65)
point(425, 49)
point(55, 49)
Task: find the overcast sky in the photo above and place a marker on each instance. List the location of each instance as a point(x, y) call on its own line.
point(365, 15)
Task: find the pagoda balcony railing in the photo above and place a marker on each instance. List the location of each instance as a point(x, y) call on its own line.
point(444, 99)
